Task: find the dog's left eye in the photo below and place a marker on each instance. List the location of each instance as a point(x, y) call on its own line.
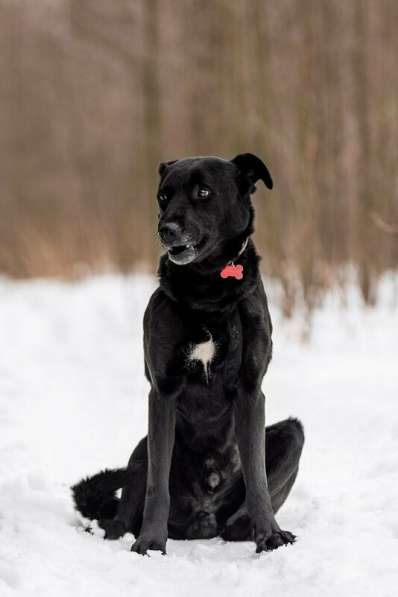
point(203, 193)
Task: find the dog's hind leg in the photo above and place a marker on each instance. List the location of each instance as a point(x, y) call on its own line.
point(284, 444)
point(128, 516)
point(131, 504)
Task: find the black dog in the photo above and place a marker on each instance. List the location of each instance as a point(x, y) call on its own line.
point(208, 466)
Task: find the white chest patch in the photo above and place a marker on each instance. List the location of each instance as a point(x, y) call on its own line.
point(204, 352)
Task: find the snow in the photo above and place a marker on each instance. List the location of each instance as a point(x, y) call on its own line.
point(73, 400)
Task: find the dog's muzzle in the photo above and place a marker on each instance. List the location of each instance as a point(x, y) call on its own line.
point(180, 246)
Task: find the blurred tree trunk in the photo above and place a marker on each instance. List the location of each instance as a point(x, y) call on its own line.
point(360, 69)
point(152, 121)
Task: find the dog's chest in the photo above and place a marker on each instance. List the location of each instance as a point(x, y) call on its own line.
point(212, 351)
point(203, 353)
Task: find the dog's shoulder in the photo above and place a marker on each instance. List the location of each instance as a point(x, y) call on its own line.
point(257, 338)
point(163, 332)
point(254, 309)
point(162, 322)
point(160, 309)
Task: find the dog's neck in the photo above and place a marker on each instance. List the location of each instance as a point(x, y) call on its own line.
point(199, 287)
point(235, 257)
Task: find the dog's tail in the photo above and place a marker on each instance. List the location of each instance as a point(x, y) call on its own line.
point(95, 497)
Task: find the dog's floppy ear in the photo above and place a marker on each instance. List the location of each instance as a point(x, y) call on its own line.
point(252, 169)
point(164, 165)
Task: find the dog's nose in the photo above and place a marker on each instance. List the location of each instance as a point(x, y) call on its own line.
point(170, 233)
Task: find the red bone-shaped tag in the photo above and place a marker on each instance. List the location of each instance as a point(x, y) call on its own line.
point(232, 271)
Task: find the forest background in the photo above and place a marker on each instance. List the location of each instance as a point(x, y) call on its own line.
point(94, 94)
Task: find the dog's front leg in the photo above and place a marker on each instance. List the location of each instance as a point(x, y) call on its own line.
point(250, 435)
point(153, 534)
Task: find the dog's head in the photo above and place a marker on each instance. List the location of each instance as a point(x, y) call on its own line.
point(205, 202)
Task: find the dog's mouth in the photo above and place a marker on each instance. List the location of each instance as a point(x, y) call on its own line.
point(186, 253)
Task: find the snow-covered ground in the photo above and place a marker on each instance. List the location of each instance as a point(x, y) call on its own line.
point(73, 400)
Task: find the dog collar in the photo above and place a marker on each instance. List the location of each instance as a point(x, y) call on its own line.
point(230, 270)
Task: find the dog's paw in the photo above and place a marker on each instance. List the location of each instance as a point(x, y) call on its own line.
point(146, 542)
point(114, 529)
point(273, 541)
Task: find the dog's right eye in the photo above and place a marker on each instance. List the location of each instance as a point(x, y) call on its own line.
point(163, 197)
